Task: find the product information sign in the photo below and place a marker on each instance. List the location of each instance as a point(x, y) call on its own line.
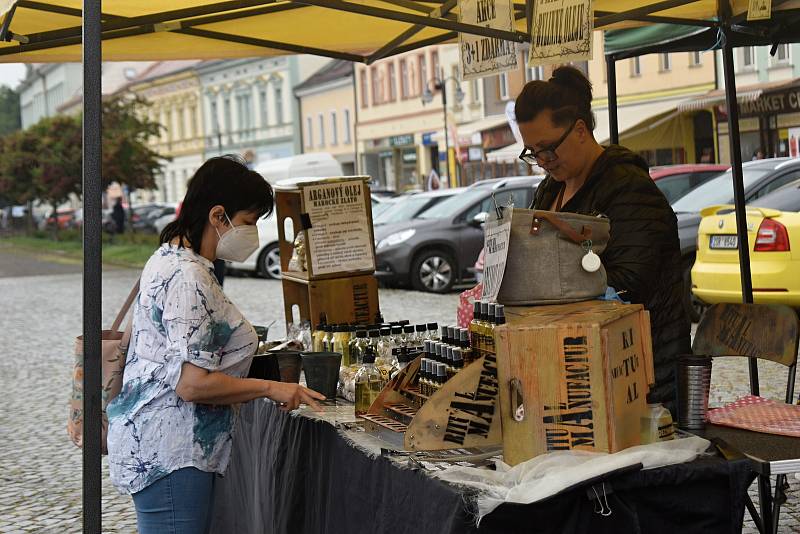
point(495, 252)
point(759, 10)
point(485, 56)
point(339, 238)
point(561, 31)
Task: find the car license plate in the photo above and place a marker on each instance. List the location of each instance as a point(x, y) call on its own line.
point(724, 241)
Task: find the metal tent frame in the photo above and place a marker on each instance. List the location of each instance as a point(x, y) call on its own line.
point(97, 27)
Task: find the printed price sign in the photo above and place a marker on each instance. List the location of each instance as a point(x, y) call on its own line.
point(485, 56)
point(561, 31)
point(339, 238)
point(759, 10)
point(497, 236)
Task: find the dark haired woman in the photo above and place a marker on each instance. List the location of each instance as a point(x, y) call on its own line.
point(171, 426)
point(642, 259)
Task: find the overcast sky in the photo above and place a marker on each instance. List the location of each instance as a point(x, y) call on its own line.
point(11, 73)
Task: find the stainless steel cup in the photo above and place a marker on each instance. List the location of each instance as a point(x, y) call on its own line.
point(694, 382)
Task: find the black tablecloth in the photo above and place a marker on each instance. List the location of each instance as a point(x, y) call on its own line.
point(292, 474)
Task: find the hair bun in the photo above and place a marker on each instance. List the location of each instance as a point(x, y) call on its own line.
point(572, 78)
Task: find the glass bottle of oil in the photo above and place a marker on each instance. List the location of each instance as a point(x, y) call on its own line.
point(319, 334)
point(368, 383)
point(341, 343)
point(475, 332)
point(358, 347)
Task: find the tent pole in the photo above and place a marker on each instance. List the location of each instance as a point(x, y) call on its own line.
point(92, 266)
point(611, 77)
point(738, 185)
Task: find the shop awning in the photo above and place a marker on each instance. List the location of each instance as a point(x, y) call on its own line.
point(468, 131)
point(507, 154)
point(630, 116)
point(744, 94)
point(364, 30)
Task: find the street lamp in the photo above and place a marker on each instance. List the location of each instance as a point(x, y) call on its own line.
point(439, 84)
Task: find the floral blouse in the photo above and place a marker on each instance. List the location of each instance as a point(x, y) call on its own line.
point(181, 315)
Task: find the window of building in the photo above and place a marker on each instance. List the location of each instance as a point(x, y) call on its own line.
point(747, 57)
point(636, 66)
point(193, 121)
point(347, 139)
point(228, 123)
point(534, 73)
point(435, 62)
point(474, 91)
point(262, 97)
point(244, 108)
point(376, 85)
point(309, 133)
point(422, 68)
point(182, 123)
point(334, 129)
point(364, 88)
point(404, 85)
point(665, 62)
point(321, 121)
point(503, 82)
point(214, 116)
point(781, 54)
point(695, 59)
point(392, 83)
point(279, 105)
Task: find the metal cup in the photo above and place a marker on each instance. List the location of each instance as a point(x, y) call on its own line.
point(694, 382)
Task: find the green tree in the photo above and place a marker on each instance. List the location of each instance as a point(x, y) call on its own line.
point(18, 160)
point(9, 110)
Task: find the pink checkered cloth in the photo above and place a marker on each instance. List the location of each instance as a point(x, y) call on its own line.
point(759, 415)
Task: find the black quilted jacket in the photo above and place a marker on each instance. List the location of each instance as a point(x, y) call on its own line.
point(643, 254)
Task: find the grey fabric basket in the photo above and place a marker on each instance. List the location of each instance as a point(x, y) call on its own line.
point(544, 262)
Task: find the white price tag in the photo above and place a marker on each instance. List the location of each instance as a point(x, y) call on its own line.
point(497, 236)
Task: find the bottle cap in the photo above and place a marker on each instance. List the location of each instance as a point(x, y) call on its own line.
point(437, 349)
point(408, 329)
point(404, 356)
point(421, 328)
point(476, 308)
point(361, 333)
point(368, 356)
point(374, 333)
point(458, 358)
point(427, 346)
point(396, 330)
point(484, 309)
point(500, 313)
point(441, 370)
point(492, 307)
point(404, 322)
point(433, 326)
point(386, 331)
point(464, 335)
point(451, 334)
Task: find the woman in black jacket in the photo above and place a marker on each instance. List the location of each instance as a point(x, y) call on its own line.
point(642, 258)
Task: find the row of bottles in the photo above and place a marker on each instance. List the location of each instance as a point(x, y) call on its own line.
point(487, 317)
point(442, 359)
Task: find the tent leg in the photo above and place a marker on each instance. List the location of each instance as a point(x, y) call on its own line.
point(611, 77)
point(738, 187)
point(92, 266)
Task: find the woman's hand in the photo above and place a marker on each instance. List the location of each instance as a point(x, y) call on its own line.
point(290, 396)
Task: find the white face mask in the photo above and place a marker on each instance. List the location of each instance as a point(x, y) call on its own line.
point(238, 243)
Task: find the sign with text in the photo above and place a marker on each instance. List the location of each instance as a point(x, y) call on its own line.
point(485, 56)
point(339, 237)
point(495, 252)
point(561, 31)
point(759, 10)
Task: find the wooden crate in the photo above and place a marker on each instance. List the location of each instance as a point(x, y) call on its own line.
point(351, 299)
point(290, 203)
point(573, 376)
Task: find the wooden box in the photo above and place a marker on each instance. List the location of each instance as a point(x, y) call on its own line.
point(573, 376)
point(352, 299)
point(335, 214)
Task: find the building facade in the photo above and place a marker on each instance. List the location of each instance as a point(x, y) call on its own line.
point(328, 113)
point(172, 88)
point(47, 87)
point(249, 108)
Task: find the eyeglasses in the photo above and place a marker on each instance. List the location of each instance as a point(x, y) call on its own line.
point(547, 154)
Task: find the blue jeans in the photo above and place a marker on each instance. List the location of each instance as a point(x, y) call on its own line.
point(179, 503)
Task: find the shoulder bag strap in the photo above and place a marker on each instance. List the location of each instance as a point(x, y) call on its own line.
point(125, 307)
point(563, 227)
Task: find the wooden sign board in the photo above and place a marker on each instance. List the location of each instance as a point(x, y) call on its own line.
point(573, 376)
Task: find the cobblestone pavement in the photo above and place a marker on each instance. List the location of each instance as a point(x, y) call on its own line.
point(40, 470)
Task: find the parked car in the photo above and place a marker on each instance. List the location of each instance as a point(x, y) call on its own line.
point(62, 218)
point(760, 178)
point(144, 217)
point(677, 180)
point(381, 204)
point(437, 249)
point(408, 207)
point(321, 164)
point(773, 237)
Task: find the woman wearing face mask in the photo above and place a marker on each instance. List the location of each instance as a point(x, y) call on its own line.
point(642, 258)
point(171, 426)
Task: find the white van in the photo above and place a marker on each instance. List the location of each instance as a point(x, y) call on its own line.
point(266, 261)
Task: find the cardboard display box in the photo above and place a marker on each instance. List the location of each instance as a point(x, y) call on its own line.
point(573, 376)
point(353, 299)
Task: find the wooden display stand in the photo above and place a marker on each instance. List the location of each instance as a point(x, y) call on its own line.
point(335, 217)
point(464, 413)
point(573, 376)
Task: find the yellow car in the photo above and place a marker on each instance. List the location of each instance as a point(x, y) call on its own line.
point(773, 237)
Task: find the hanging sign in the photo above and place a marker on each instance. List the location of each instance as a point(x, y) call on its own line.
point(561, 31)
point(759, 10)
point(497, 235)
point(485, 56)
